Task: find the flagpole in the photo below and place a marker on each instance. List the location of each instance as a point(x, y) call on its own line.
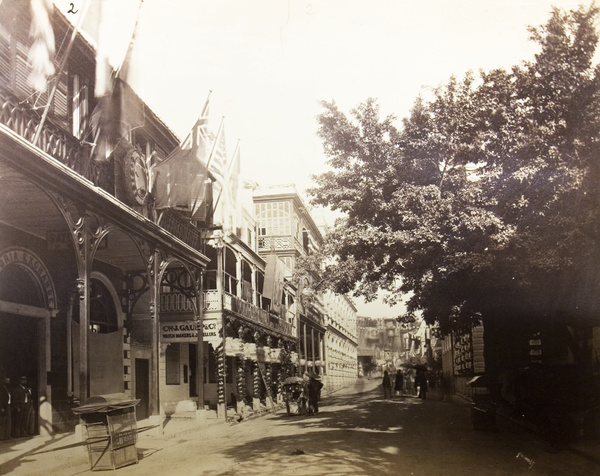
point(63, 62)
point(237, 146)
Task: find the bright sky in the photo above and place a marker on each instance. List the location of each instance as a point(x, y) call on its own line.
point(270, 62)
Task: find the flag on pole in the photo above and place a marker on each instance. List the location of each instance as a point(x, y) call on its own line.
point(119, 110)
point(104, 72)
point(41, 53)
point(217, 166)
point(217, 159)
point(180, 179)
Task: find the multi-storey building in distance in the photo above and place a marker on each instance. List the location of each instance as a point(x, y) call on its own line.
point(326, 322)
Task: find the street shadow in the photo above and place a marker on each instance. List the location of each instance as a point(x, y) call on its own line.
point(37, 445)
point(362, 433)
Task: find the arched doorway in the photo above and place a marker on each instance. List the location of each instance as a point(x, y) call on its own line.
point(19, 349)
point(27, 302)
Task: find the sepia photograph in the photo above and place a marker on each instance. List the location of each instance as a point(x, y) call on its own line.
point(300, 237)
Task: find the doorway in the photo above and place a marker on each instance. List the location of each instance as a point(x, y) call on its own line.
point(142, 388)
point(18, 358)
point(193, 374)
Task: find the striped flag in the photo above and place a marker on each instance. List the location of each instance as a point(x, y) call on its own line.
point(217, 161)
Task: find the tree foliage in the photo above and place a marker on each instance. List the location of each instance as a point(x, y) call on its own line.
point(485, 198)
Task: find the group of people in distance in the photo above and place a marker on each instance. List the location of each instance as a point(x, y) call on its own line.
point(16, 409)
point(420, 384)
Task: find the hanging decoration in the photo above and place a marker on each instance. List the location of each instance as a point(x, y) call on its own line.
point(220, 374)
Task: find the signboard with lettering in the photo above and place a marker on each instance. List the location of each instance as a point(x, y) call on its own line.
point(58, 240)
point(187, 331)
point(27, 259)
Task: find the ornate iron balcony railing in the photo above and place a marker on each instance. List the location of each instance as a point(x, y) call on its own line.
point(55, 141)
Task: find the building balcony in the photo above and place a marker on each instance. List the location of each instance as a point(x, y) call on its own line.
point(175, 302)
point(55, 141)
point(77, 155)
point(246, 310)
point(275, 243)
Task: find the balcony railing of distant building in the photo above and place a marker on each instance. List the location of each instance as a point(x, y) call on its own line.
point(275, 243)
point(55, 141)
point(246, 310)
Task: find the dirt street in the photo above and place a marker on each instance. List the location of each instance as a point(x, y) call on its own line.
point(353, 434)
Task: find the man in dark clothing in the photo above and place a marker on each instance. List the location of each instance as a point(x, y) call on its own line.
point(399, 383)
point(22, 405)
point(314, 392)
point(5, 410)
point(387, 385)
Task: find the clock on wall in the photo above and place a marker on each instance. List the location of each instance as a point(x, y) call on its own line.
point(136, 177)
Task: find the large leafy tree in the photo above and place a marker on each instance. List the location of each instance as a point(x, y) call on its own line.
point(485, 200)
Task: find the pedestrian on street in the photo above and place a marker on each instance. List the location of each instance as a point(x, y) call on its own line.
point(314, 394)
point(421, 383)
point(5, 410)
point(387, 385)
point(399, 383)
point(22, 406)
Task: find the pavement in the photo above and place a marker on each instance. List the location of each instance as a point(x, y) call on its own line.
point(15, 454)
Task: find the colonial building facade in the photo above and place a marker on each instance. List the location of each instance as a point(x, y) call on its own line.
point(84, 266)
point(107, 286)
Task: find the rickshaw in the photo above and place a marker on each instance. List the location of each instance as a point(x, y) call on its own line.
point(294, 394)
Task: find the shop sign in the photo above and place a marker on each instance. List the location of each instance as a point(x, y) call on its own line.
point(187, 331)
point(58, 240)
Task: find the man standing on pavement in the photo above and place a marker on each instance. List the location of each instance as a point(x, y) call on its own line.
point(314, 392)
point(21, 401)
point(5, 410)
point(387, 385)
point(399, 383)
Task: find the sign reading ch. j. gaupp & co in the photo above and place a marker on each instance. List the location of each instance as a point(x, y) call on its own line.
point(187, 331)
